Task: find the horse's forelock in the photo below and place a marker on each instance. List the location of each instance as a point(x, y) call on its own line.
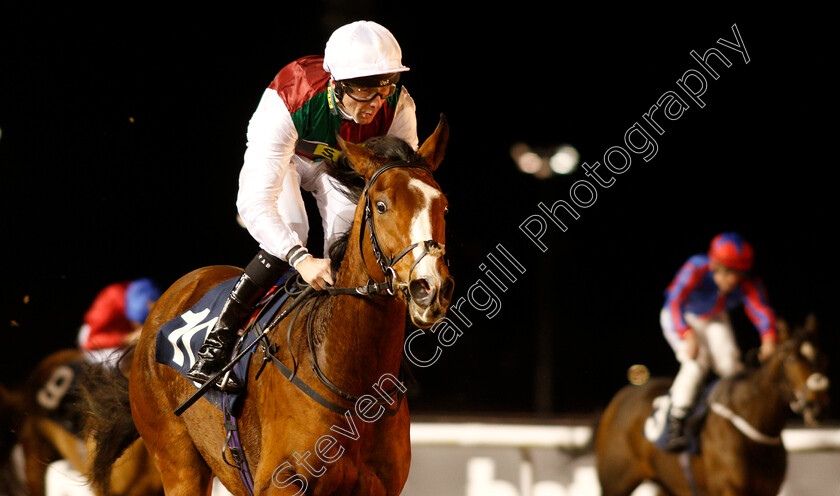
point(392, 148)
point(389, 148)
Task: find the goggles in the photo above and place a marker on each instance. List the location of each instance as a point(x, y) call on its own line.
point(367, 94)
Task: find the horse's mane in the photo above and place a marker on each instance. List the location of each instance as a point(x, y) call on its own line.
point(753, 370)
point(352, 184)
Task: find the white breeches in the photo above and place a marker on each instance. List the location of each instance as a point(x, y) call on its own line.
point(717, 350)
point(107, 356)
point(337, 211)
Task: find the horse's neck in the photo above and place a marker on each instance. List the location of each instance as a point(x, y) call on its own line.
point(759, 398)
point(362, 337)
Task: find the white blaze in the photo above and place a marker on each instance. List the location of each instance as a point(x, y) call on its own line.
point(421, 226)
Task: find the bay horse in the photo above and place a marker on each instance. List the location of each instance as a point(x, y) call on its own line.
point(741, 452)
point(49, 427)
point(352, 340)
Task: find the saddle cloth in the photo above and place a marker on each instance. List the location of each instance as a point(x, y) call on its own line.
point(178, 340)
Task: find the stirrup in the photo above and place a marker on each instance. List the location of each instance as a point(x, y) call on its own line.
point(228, 382)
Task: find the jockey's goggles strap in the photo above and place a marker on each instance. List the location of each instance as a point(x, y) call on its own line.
point(332, 99)
point(376, 80)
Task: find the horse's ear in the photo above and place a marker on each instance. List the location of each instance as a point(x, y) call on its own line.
point(10, 400)
point(434, 148)
point(810, 326)
point(783, 329)
point(360, 157)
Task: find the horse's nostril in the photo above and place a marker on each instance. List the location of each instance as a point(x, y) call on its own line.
point(421, 291)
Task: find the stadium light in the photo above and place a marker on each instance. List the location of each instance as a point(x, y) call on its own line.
point(564, 160)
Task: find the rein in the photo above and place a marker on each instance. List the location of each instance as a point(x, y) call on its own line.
point(386, 264)
point(269, 349)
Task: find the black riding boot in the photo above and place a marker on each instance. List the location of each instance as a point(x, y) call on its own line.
point(215, 352)
point(677, 440)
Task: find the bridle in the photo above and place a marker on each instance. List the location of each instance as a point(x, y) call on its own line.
point(798, 396)
point(386, 263)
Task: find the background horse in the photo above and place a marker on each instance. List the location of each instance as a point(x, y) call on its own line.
point(349, 347)
point(48, 427)
point(741, 449)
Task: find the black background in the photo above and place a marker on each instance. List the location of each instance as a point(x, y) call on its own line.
point(123, 132)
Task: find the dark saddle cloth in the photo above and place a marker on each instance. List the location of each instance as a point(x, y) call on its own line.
point(179, 339)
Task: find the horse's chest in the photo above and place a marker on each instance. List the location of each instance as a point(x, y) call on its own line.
point(363, 476)
point(348, 456)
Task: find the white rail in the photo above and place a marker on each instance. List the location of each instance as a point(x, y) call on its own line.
point(486, 434)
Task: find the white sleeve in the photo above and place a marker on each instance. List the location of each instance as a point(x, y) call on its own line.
point(271, 145)
point(404, 125)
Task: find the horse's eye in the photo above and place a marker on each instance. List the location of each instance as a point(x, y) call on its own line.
point(445, 210)
point(381, 207)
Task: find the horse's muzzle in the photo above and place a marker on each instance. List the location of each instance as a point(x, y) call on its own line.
point(424, 290)
point(812, 400)
point(429, 298)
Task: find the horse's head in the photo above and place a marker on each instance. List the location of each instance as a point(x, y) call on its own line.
point(803, 366)
point(402, 230)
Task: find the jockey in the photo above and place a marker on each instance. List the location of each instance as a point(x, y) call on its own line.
point(695, 322)
point(350, 91)
point(115, 317)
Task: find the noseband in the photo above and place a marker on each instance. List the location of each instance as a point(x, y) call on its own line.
point(386, 263)
point(798, 396)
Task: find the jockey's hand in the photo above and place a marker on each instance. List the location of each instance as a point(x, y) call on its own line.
point(768, 347)
point(316, 272)
point(690, 345)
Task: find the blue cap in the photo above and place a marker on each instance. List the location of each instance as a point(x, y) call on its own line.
point(137, 298)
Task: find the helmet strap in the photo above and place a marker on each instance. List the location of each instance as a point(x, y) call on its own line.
point(336, 91)
point(334, 96)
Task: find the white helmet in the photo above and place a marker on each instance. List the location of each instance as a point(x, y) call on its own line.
point(362, 48)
